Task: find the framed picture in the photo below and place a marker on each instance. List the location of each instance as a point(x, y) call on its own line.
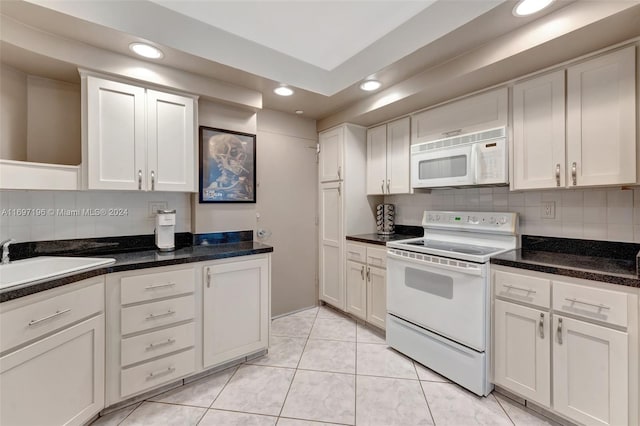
point(227, 166)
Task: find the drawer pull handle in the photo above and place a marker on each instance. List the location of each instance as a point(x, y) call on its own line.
point(452, 133)
point(161, 372)
point(362, 272)
point(52, 316)
point(599, 306)
point(166, 314)
point(559, 331)
point(541, 325)
point(388, 183)
point(382, 186)
point(355, 253)
point(528, 290)
point(153, 287)
point(368, 274)
point(574, 173)
point(169, 341)
point(558, 174)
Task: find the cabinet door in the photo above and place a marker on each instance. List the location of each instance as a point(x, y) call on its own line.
point(115, 132)
point(356, 289)
point(171, 142)
point(236, 314)
point(331, 238)
point(590, 379)
point(376, 160)
point(398, 153)
point(523, 351)
point(57, 380)
point(538, 132)
point(480, 112)
point(601, 120)
point(376, 296)
point(330, 157)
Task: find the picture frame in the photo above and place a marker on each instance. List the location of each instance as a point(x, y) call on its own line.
point(227, 166)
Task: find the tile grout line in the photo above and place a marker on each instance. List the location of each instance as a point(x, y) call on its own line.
point(503, 409)
point(415, 367)
point(125, 417)
point(295, 372)
point(219, 393)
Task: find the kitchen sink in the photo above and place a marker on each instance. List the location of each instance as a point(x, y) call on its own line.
point(46, 267)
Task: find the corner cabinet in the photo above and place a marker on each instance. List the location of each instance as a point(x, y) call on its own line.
point(343, 204)
point(388, 152)
point(587, 330)
point(52, 367)
point(600, 125)
point(136, 138)
point(236, 309)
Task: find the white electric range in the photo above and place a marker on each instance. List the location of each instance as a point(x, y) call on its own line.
point(438, 294)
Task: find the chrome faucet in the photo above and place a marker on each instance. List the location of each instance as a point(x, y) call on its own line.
point(5, 250)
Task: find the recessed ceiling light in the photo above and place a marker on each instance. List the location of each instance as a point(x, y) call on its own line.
point(529, 7)
point(283, 91)
point(370, 85)
point(299, 112)
point(146, 50)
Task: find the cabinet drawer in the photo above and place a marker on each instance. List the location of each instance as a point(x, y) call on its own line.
point(161, 342)
point(155, 314)
point(377, 257)
point(357, 253)
point(145, 287)
point(522, 288)
point(154, 373)
point(594, 303)
point(33, 320)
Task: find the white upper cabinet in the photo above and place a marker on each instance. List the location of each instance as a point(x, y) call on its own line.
point(171, 147)
point(137, 139)
point(601, 120)
point(388, 158)
point(539, 132)
point(331, 146)
point(480, 112)
point(376, 160)
point(114, 155)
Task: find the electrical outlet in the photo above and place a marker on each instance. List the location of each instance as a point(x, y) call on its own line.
point(154, 206)
point(548, 210)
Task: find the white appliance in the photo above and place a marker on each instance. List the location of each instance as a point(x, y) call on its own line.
point(438, 294)
point(468, 160)
point(165, 229)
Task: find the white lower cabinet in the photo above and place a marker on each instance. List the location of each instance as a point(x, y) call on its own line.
point(58, 377)
point(591, 372)
point(236, 309)
point(522, 347)
point(569, 345)
point(366, 283)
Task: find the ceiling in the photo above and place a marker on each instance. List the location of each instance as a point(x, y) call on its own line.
point(322, 49)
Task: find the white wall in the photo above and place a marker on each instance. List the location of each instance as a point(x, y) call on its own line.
point(13, 114)
point(53, 225)
point(609, 214)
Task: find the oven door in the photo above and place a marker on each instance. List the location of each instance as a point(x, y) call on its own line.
point(446, 296)
point(443, 167)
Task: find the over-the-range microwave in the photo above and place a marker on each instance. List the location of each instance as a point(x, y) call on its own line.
point(461, 161)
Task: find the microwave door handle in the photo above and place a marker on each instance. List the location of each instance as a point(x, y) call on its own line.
point(474, 162)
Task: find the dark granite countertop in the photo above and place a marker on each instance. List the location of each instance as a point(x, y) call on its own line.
point(609, 262)
point(141, 259)
point(403, 232)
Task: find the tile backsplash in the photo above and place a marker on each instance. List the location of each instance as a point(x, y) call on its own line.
point(56, 215)
point(595, 214)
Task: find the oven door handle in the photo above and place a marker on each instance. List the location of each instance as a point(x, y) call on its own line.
point(478, 271)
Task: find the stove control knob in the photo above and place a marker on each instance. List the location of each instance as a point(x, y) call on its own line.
point(472, 219)
point(437, 217)
point(492, 220)
point(502, 220)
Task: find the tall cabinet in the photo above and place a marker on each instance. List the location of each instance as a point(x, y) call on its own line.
point(344, 207)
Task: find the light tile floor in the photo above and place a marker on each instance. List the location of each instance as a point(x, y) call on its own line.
point(324, 368)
